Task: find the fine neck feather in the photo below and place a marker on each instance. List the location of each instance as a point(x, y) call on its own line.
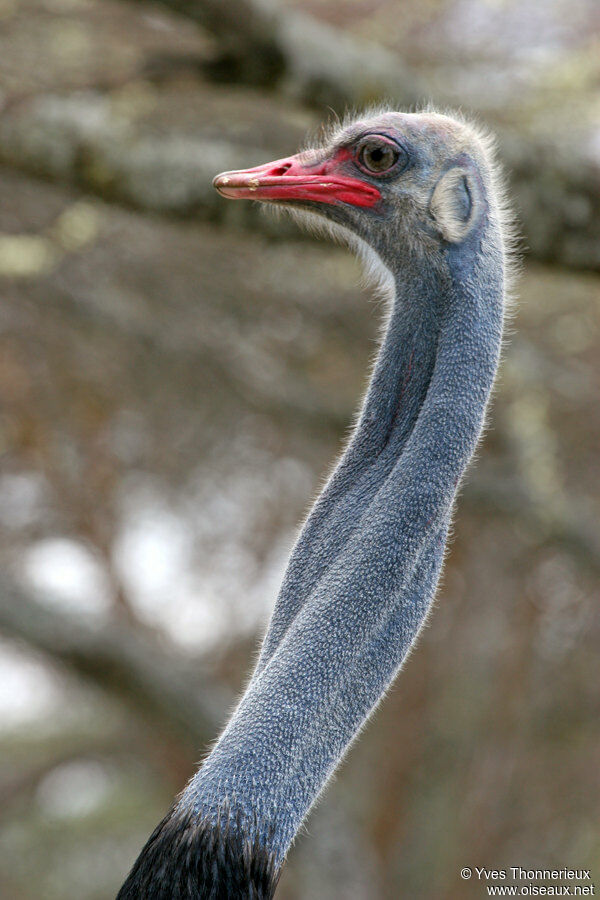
point(395, 396)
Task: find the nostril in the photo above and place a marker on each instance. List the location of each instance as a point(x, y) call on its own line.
point(281, 170)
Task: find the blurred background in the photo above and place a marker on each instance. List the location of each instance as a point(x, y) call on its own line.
point(177, 373)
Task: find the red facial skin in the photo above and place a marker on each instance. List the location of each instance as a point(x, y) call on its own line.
point(295, 178)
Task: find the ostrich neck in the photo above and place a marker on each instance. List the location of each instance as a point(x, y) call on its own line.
point(401, 373)
point(373, 548)
point(396, 393)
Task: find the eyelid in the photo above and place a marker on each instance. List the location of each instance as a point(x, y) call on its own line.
point(353, 141)
point(384, 137)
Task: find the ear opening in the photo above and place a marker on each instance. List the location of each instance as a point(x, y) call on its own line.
point(454, 204)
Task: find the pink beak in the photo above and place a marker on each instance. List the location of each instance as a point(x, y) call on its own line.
point(295, 178)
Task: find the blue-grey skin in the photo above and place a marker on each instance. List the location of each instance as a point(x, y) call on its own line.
point(366, 565)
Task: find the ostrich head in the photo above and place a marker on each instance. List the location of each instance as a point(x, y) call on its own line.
point(400, 183)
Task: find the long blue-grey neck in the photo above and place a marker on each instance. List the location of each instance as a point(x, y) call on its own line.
point(364, 570)
point(396, 393)
point(373, 549)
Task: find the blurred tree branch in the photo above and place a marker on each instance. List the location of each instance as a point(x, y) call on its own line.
point(121, 660)
point(262, 44)
point(556, 524)
point(23, 784)
point(246, 34)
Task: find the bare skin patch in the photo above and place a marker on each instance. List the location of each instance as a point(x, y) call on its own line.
point(454, 204)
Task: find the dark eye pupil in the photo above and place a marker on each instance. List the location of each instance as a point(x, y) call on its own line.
point(377, 157)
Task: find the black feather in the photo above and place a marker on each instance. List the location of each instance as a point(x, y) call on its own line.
point(190, 859)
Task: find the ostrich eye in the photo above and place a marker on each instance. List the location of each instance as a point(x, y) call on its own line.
point(376, 155)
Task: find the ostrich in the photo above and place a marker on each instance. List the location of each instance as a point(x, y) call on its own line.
point(418, 195)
